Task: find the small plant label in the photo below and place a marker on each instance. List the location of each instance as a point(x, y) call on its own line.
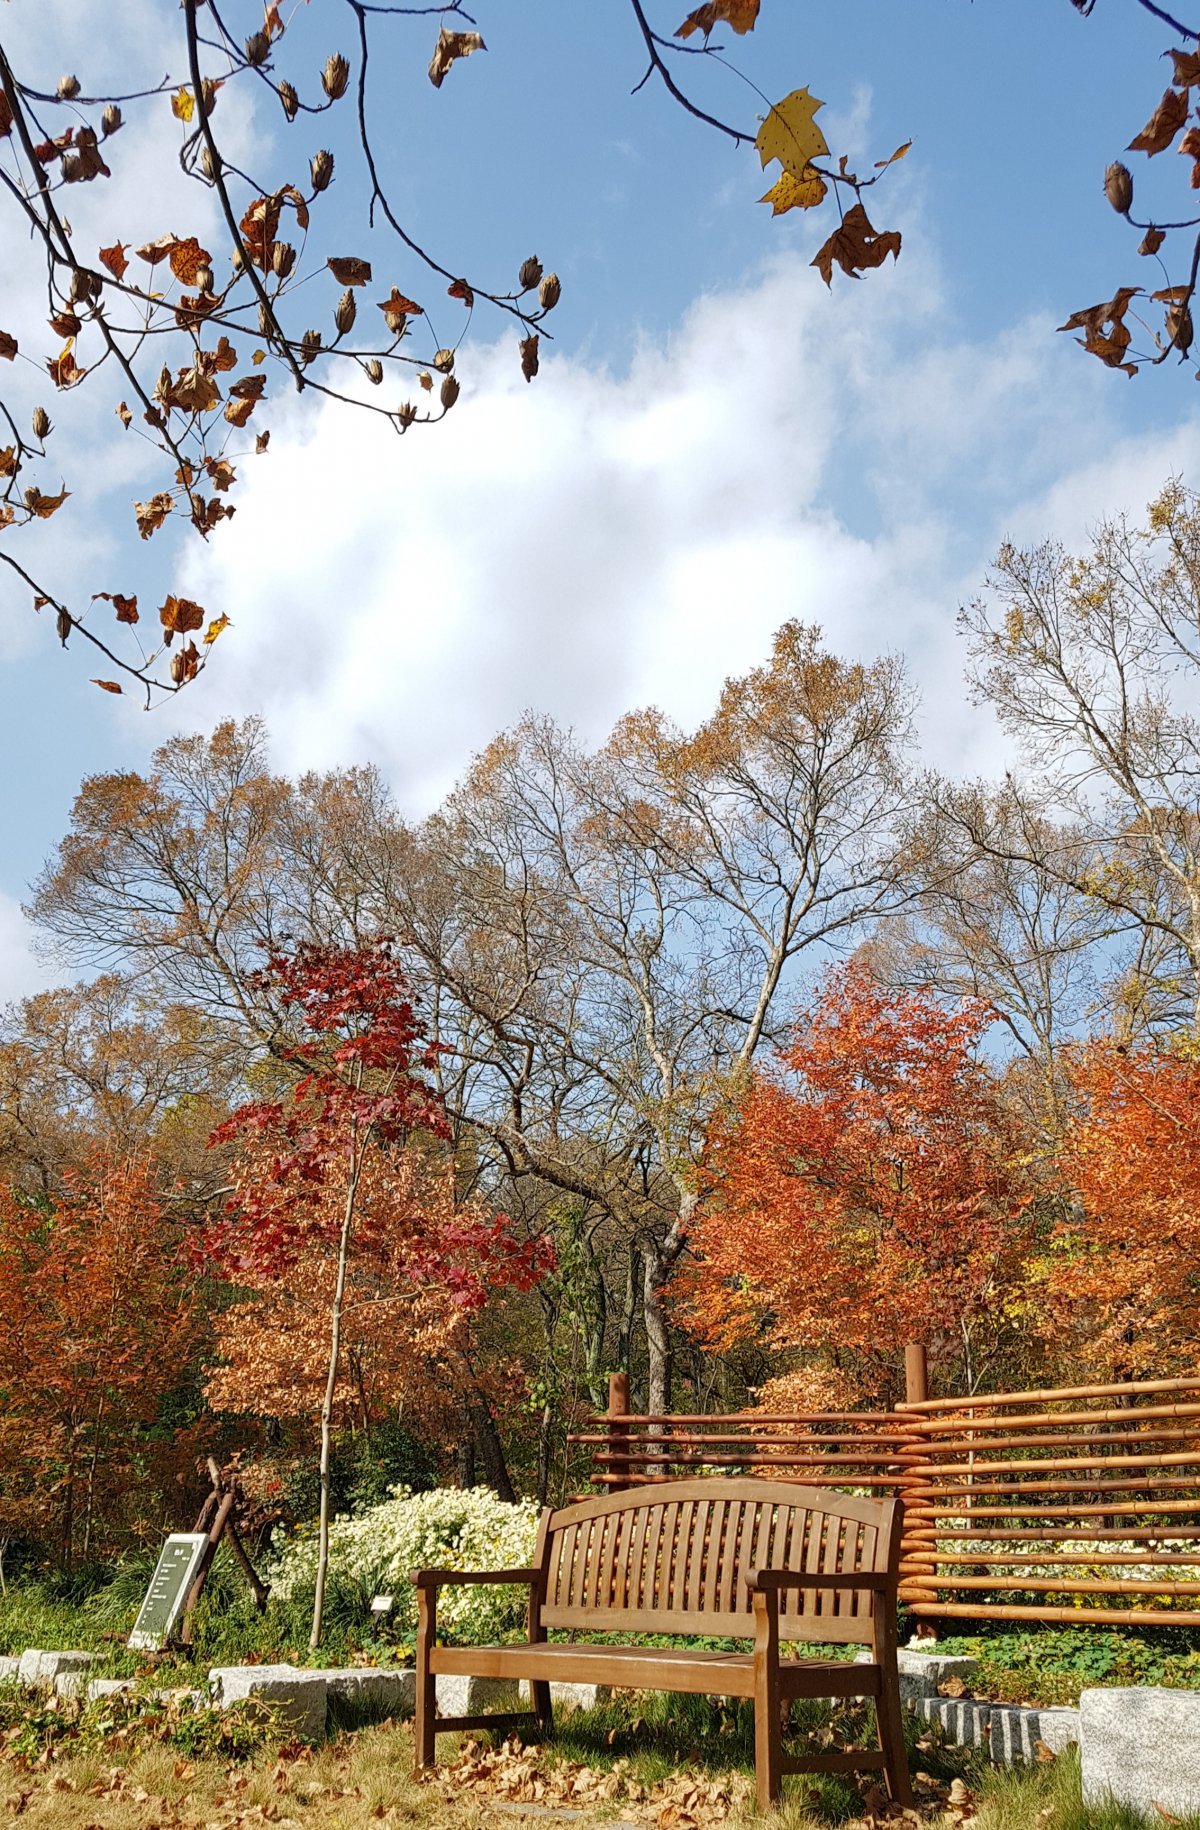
point(178, 1562)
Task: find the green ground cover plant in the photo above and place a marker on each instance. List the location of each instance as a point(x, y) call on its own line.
point(1053, 1665)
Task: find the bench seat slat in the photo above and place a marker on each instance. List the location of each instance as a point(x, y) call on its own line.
point(654, 1668)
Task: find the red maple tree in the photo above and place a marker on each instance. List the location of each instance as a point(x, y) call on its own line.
point(325, 1209)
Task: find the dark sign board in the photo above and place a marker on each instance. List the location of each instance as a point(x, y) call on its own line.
point(177, 1565)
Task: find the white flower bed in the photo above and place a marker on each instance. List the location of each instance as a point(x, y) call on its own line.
point(450, 1528)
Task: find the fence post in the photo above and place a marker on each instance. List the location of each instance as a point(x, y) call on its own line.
point(916, 1373)
point(618, 1433)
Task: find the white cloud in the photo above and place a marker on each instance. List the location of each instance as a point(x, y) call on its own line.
point(599, 541)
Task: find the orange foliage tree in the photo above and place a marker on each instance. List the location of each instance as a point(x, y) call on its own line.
point(1125, 1262)
point(98, 1324)
point(867, 1191)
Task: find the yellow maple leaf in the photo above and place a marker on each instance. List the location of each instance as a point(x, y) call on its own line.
point(791, 135)
point(183, 104)
point(803, 193)
point(215, 628)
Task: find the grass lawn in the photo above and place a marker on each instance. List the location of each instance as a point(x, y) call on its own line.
point(670, 1762)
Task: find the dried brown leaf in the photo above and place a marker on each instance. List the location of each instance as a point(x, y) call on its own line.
point(856, 246)
point(739, 15)
point(1163, 124)
point(451, 46)
point(348, 270)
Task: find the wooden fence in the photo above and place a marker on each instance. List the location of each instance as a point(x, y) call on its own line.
point(1078, 1505)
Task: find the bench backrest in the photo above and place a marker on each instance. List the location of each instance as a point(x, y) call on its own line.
point(670, 1558)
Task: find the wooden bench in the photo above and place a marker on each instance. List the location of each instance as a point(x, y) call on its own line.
point(738, 1559)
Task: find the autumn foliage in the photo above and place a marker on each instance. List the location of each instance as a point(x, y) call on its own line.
point(1126, 1258)
point(867, 1189)
point(98, 1323)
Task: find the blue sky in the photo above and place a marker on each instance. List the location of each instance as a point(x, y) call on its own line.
point(715, 442)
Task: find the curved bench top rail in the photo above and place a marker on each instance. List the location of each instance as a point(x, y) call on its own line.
point(717, 1486)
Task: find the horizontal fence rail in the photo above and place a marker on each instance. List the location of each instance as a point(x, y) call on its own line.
point(1077, 1505)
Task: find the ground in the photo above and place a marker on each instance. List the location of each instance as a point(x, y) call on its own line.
point(682, 1765)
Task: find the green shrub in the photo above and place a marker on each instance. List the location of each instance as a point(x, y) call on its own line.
point(449, 1528)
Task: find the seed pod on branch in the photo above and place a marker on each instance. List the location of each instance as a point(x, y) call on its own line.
point(549, 292)
point(530, 274)
point(68, 88)
point(204, 279)
point(41, 423)
point(310, 346)
point(346, 313)
point(111, 119)
point(290, 100)
point(209, 165)
point(283, 259)
point(374, 370)
point(1179, 328)
point(405, 415)
point(258, 49)
point(62, 624)
point(1118, 187)
point(321, 169)
point(335, 76)
point(449, 392)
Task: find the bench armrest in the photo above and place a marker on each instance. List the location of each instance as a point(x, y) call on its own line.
point(772, 1581)
point(460, 1578)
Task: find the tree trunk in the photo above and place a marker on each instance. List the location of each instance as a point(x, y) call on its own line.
point(335, 1350)
point(545, 1442)
point(629, 1312)
point(491, 1448)
point(658, 1334)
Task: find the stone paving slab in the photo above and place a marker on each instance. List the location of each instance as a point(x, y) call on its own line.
point(475, 1696)
point(9, 1669)
point(391, 1692)
point(569, 1696)
point(99, 1688)
point(39, 1669)
point(1141, 1747)
point(299, 1697)
point(966, 1723)
point(1018, 1735)
point(922, 1672)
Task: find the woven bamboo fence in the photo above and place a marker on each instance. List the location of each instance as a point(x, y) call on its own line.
point(1073, 1505)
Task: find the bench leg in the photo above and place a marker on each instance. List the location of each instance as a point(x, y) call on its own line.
point(768, 1750)
point(425, 1712)
point(542, 1708)
point(889, 1727)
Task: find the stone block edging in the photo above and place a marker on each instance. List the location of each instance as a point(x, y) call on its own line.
point(1141, 1747)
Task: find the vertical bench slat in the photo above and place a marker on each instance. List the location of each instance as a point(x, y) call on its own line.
point(792, 1554)
point(710, 1599)
point(564, 1564)
point(620, 1587)
point(697, 1555)
point(634, 1587)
